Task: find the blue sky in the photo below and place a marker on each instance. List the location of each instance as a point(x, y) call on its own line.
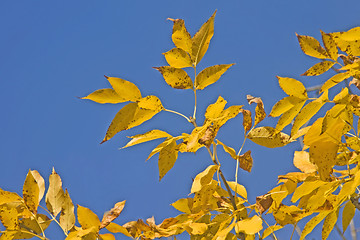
point(52, 52)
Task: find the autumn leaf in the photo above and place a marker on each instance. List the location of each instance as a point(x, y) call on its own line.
point(31, 192)
point(247, 120)
point(329, 223)
point(330, 45)
point(249, 226)
point(87, 218)
point(323, 155)
point(112, 214)
point(348, 41)
point(67, 216)
point(311, 47)
point(178, 58)
point(41, 183)
point(106, 95)
point(267, 137)
point(263, 203)
point(319, 68)
point(284, 105)
point(203, 178)
point(311, 224)
point(214, 110)
point(302, 162)
point(175, 77)
point(167, 158)
point(292, 87)
point(180, 36)
point(55, 195)
point(148, 136)
point(239, 189)
point(347, 215)
point(246, 161)
point(201, 40)
point(183, 205)
point(228, 149)
point(116, 228)
point(210, 75)
point(259, 110)
point(288, 116)
point(331, 82)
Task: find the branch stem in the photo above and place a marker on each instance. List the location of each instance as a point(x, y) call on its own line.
point(180, 114)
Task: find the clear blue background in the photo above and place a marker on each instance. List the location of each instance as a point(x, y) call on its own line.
point(54, 51)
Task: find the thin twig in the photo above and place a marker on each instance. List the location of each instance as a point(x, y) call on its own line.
point(340, 232)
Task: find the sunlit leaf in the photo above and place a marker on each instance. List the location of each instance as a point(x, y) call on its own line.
point(67, 216)
point(329, 223)
point(8, 197)
point(107, 236)
point(323, 155)
point(180, 36)
point(259, 110)
point(270, 230)
point(150, 103)
point(41, 183)
point(167, 158)
point(308, 112)
point(214, 110)
point(116, 228)
point(201, 40)
point(239, 189)
point(302, 162)
point(9, 217)
point(31, 193)
point(311, 224)
point(178, 58)
point(292, 87)
point(250, 225)
point(334, 80)
point(175, 77)
point(87, 218)
point(289, 115)
point(106, 95)
point(55, 195)
point(348, 41)
point(203, 178)
point(300, 133)
point(347, 215)
point(229, 150)
point(210, 75)
point(111, 215)
point(247, 120)
point(197, 228)
point(319, 68)
point(125, 89)
point(37, 224)
point(148, 136)
point(227, 114)
point(267, 137)
point(183, 205)
point(311, 47)
point(330, 45)
point(246, 161)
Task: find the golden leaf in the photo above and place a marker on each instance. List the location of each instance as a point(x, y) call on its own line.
point(284, 105)
point(246, 161)
point(181, 36)
point(203, 178)
point(178, 58)
point(148, 136)
point(151, 103)
point(229, 150)
point(55, 195)
point(183, 205)
point(87, 218)
point(329, 223)
point(41, 183)
point(311, 47)
point(31, 192)
point(347, 215)
point(267, 137)
point(9, 217)
point(289, 115)
point(348, 41)
point(239, 189)
point(116, 228)
point(8, 197)
point(125, 89)
point(249, 225)
point(292, 87)
point(112, 214)
point(213, 111)
point(319, 68)
point(330, 45)
point(259, 110)
point(311, 224)
point(323, 155)
point(197, 228)
point(210, 75)
point(201, 40)
point(302, 162)
point(167, 158)
point(247, 120)
point(106, 95)
point(175, 77)
point(270, 230)
point(107, 236)
point(208, 137)
point(67, 216)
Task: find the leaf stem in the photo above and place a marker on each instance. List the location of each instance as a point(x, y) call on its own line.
point(34, 216)
point(180, 114)
point(54, 219)
point(194, 89)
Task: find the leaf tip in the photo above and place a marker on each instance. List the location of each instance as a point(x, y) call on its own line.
point(107, 77)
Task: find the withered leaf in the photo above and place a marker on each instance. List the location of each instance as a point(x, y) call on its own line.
point(263, 203)
point(112, 214)
point(259, 110)
point(246, 161)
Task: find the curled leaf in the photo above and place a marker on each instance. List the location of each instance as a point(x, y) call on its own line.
point(259, 110)
point(267, 137)
point(246, 161)
point(112, 214)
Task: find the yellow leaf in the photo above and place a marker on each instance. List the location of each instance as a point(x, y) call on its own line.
point(41, 183)
point(334, 80)
point(246, 161)
point(210, 75)
point(116, 228)
point(181, 36)
point(192, 141)
point(330, 45)
point(329, 223)
point(239, 189)
point(214, 110)
point(111, 215)
point(284, 105)
point(33, 224)
point(300, 133)
point(348, 41)
point(323, 155)
point(319, 68)
point(306, 188)
point(9, 217)
point(55, 195)
point(167, 158)
point(259, 110)
point(292, 87)
point(148, 136)
point(197, 228)
point(8, 197)
point(342, 97)
point(183, 205)
point(162, 145)
point(302, 162)
point(247, 120)
point(106, 95)
point(229, 150)
point(31, 193)
point(175, 77)
point(87, 218)
point(125, 89)
point(150, 103)
point(249, 225)
point(201, 40)
point(226, 115)
point(203, 178)
point(289, 115)
point(347, 215)
point(178, 58)
point(311, 47)
point(312, 224)
point(107, 236)
point(267, 137)
point(79, 233)
point(131, 115)
point(67, 216)
point(308, 112)
point(270, 230)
